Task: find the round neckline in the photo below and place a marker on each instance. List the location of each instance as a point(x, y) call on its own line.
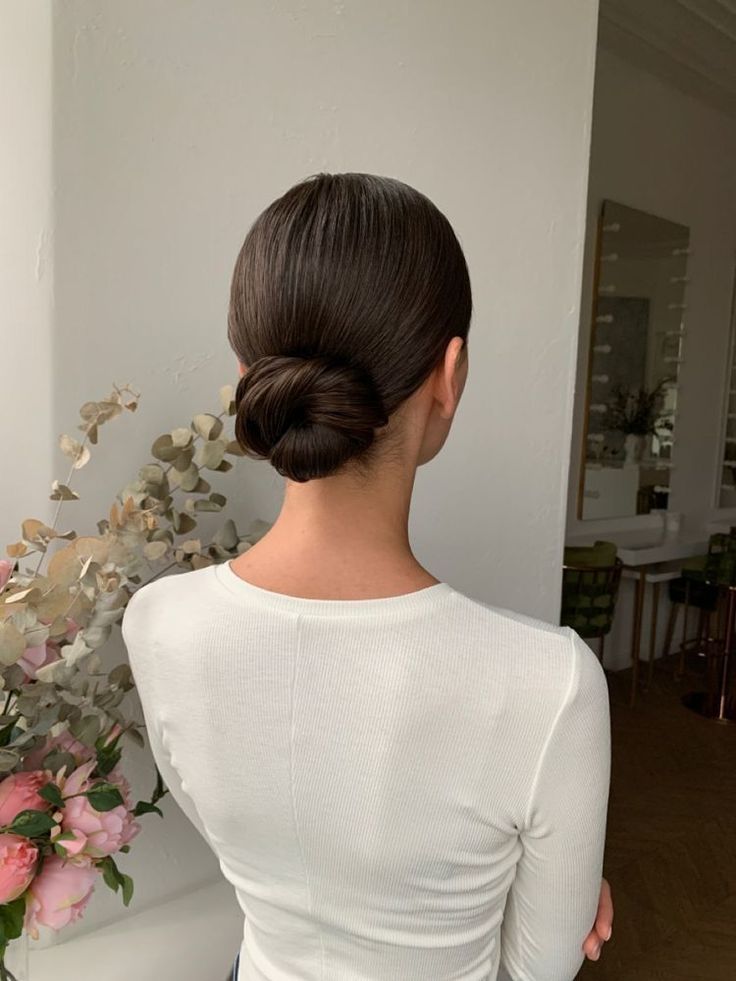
point(420, 598)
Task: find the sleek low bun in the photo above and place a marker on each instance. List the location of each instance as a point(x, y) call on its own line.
point(345, 294)
point(307, 416)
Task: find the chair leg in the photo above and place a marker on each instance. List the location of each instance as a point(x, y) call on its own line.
point(711, 650)
point(653, 634)
point(671, 624)
point(702, 631)
point(686, 608)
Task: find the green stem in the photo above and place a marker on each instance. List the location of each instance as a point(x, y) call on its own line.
point(7, 701)
point(5, 973)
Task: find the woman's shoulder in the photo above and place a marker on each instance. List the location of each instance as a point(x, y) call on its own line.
point(539, 649)
point(158, 596)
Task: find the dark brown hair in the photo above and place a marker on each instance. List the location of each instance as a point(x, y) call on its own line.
point(345, 294)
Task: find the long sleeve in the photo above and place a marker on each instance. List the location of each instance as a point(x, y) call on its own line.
point(140, 645)
point(553, 901)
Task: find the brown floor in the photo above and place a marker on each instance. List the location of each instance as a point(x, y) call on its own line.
point(671, 843)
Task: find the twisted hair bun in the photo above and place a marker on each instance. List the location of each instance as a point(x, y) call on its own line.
point(344, 296)
point(307, 416)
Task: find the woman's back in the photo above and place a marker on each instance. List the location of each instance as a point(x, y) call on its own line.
point(413, 787)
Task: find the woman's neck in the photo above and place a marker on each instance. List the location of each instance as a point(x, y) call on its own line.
point(339, 537)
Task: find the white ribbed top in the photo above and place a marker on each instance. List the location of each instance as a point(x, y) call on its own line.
point(410, 788)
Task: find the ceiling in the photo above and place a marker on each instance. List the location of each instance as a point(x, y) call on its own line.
point(690, 43)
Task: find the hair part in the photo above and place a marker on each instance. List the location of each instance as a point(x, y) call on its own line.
point(345, 294)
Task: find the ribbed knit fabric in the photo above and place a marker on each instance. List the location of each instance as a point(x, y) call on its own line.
point(411, 788)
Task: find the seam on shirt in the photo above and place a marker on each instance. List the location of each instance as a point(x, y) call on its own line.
point(291, 784)
point(542, 756)
point(553, 727)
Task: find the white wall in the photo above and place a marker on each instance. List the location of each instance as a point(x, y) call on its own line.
point(175, 124)
point(659, 150)
point(26, 273)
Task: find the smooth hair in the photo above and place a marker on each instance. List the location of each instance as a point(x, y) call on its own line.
point(345, 294)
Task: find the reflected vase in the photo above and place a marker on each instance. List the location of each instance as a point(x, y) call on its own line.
point(16, 966)
point(634, 446)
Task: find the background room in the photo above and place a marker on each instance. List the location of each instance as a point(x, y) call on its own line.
point(587, 160)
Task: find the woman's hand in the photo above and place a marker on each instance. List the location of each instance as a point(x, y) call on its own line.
point(603, 924)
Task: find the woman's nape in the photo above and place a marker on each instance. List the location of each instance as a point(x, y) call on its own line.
point(353, 526)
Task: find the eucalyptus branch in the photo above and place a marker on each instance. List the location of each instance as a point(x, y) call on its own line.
point(59, 689)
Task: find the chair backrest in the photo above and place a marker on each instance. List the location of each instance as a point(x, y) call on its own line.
point(720, 562)
point(589, 595)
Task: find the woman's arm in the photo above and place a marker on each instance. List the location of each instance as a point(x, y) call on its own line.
point(140, 644)
point(554, 898)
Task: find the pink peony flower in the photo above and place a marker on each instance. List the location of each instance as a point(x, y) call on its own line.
point(37, 657)
point(59, 894)
point(96, 833)
point(65, 743)
point(6, 570)
point(73, 845)
point(113, 733)
point(18, 857)
point(19, 792)
point(104, 832)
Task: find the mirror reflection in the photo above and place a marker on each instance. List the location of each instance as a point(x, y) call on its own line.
point(636, 350)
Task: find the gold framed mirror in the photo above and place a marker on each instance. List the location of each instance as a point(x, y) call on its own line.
point(636, 349)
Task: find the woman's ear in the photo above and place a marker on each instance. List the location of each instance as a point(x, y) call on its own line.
point(241, 368)
point(453, 373)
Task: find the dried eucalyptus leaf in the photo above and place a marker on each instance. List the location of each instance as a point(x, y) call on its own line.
point(12, 643)
point(8, 760)
point(181, 463)
point(189, 478)
point(86, 545)
point(151, 473)
point(234, 448)
point(207, 505)
point(37, 634)
point(89, 410)
point(155, 550)
point(183, 524)
point(191, 545)
point(78, 453)
point(57, 760)
point(17, 550)
point(86, 730)
point(108, 410)
point(63, 567)
point(210, 454)
point(224, 466)
point(181, 436)
point(122, 676)
point(207, 425)
point(60, 492)
point(36, 531)
point(136, 736)
point(17, 597)
point(163, 449)
point(13, 676)
point(227, 395)
point(95, 636)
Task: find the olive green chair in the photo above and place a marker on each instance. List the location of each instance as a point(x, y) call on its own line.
point(695, 589)
point(719, 571)
point(690, 591)
point(591, 576)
